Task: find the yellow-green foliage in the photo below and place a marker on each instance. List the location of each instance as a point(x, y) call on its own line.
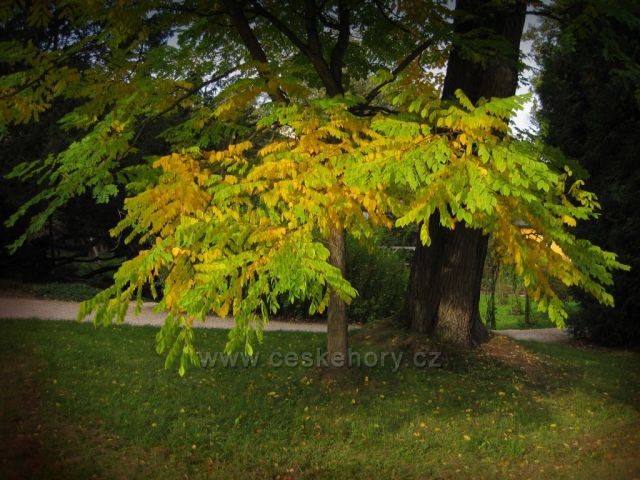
point(235, 228)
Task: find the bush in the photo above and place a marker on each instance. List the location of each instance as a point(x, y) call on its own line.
point(379, 274)
point(617, 327)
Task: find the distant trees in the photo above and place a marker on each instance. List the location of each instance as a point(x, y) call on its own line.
point(589, 90)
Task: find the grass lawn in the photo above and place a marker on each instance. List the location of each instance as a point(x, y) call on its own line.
point(80, 402)
point(506, 320)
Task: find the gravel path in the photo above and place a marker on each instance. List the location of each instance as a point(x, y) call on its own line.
point(21, 307)
point(545, 335)
point(15, 307)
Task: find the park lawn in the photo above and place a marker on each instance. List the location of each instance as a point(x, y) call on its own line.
point(77, 402)
point(506, 320)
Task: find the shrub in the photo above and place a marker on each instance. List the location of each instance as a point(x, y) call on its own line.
point(380, 275)
point(607, 327)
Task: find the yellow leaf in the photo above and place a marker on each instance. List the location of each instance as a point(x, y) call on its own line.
point(569, 220)
point(230, 179)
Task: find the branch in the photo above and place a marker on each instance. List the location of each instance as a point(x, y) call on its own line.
point(252, 43)
point(312, 49)
point(315, 53)
point(327, 22)
point(180, 99)
point(404, 63)
point(98, 271)
point(82, 259)
point(391, 20)
point(544, 13)
point(340, 48)
point(363, 110)
point(174, 7)
point(279, 25)
point(29, 84)
point(313, 38)
point(72, 51)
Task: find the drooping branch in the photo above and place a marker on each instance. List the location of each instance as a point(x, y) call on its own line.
point(82, 47)
point(181, 98)
point(392, 21)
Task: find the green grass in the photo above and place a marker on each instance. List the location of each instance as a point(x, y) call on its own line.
point(76, 401)
point(506, 320)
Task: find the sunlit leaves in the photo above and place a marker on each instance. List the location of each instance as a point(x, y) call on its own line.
point(461, 161)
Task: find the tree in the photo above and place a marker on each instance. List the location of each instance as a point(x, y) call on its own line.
point(528, 320)
point(450, 269)
point(283, 132)
point(589, 90)
point(492, 274)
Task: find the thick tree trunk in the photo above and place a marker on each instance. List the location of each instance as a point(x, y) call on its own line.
point(337, 327)
point(445, 280)
point(460, 278)
point(424, 280)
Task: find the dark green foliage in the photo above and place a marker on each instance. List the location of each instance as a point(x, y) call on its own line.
point(380, 276)
point(589, 90)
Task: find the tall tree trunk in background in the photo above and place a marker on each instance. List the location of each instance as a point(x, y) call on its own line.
point(445, 278)
point(337, 325)
point(492, 282)
point(527, 308)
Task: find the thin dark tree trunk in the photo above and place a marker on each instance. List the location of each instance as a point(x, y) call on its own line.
point(494, 273)
point(337, 325)
point(527, 309)
point(445, 282)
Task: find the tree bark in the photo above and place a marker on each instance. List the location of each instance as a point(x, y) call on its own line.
point(424, 291)
point(337, 327)
point(445, 280)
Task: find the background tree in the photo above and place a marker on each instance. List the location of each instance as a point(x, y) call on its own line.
point(589, 90)
point(528, 319)
point(492, 274)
